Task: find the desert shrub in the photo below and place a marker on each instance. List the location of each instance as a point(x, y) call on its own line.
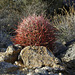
point(65, 24)
point(22, 6)
point(12, 10)
point(53, 5)
point(8, 19)
point(36, 8)
point(43, 6)
point(26, 6)
point(35, 30)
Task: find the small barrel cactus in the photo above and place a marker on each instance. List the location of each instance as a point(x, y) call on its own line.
point(35, 30)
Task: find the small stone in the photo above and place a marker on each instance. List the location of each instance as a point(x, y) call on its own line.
point(36, 70)
point(19, 63)
point(47, 68)
point(18, 46)
point(10, 55)
point(30, 73)
point(10, 49)
point(60, 74)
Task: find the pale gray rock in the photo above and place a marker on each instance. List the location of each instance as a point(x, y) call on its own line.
point(18, 46)
point(45, 71)
point(10, 55)
point(69, 59)
point(70, 53)
point(10, 49)
point(38, 56)
point(13, 48)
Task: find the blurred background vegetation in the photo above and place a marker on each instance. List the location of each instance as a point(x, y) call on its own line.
point(12, 11)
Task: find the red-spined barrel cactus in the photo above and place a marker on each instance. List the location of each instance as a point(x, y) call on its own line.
point(35, 30)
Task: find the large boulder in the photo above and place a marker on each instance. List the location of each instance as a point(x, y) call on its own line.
point(38, 56)
point(10, 55)
point(68, 58)
point(36, 60)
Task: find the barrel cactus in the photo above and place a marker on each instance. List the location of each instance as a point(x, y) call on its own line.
point(35, 30)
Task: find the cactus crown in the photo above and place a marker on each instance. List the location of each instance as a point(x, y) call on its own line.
point(35, 30)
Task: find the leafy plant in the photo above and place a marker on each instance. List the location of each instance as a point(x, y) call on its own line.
point(35, 30)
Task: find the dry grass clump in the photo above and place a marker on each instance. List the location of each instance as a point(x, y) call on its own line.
point(37, 8)
point(11, 10)
point(65, 24)
point(8, 19)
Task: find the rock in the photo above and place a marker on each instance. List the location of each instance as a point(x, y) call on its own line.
point(69, 43)
point(59, 48)
point(11, 55)
point(2, 49)
point(4, 40)
point(7, 68)
point(68, 58)
point(38, 56)
point(37, 60)
point(45, 71)
point(18, 46)
point(19, 63)
point(47, 68)
point(10, 49)
point(41, 71)
point(70, 53)
point(13, 48)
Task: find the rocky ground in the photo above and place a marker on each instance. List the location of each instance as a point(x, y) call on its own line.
point(37, 60)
